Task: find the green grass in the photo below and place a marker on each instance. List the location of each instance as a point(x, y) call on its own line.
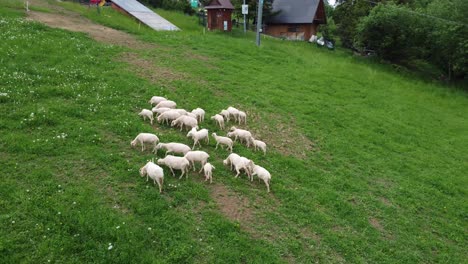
point(384, 182)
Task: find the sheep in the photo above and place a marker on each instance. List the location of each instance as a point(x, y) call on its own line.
point(168, 116)
point(263, 174)
point(181, 111)
point(172, 147)
point(239, 163)
point(258, 144)
point(184, 120)
point(167, 103)
point(225, 114)
point(200, 114)
point(229, 160)
point(175, 163)
point(208, 170)
point(191, 115)
point(156, 100)
point(233, 112)
point(197, 156)
point(159, 111)
point(197, 136)
point(223, 141)
point(241, 134)
point(145, 113)
point(143, 138)
point(154, 172)
point(219, 120)
point(242, 117)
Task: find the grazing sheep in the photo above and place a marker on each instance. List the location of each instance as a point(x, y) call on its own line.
point(168, 116)
point(258, 144)
point(156, 100)
point(225, 114)
point(239, 163)
point(177, 148)
point(145, 113)
point(219, 120)
point(197, 156)
point(242, 117)
point(242, 134)
point(197, 136)
point(145, 138)
point(234, 112)
point(223, 141)
point(186, 121)
point(167, 103)
point(229, 160)
point(175, 163)
point(154, 172)
point(200, 114)
point(159, 111)
point(208, 170)
point(263, 174)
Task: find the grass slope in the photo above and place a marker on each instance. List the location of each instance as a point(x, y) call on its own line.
point(376, 170)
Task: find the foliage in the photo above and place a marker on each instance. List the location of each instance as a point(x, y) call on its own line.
point(180, 5)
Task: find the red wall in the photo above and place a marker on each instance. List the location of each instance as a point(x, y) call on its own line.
point(216, 18)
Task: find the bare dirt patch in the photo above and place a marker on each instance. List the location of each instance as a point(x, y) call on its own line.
point(376, 224)
point(149, 70)
point(233, 206)
point(74, 22)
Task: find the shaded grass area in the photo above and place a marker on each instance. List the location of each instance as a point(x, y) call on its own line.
point(384, 182)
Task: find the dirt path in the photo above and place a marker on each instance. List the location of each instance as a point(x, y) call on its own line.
point(74, 22)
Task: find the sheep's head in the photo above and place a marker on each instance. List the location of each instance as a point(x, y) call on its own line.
point(232, 128)
point(226, 162)
point(158, 146)
point(190, 133)
point(143, 171)
point(133, 143)
point(160, 161)
point(230, 134)
point(214, 134)
point(174, 123)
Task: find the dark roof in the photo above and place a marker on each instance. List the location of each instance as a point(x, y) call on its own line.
point(294, 11)
point(215, 4)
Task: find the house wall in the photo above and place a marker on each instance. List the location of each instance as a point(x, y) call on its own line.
point(216, 18)
point(292, 31)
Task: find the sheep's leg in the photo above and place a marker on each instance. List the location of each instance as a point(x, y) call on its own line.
point(159, 185)
point(173, 174)
point(267, 185)
point(193, 165)
point(146, 177)
point(238, 172)
point(194, 142)
point(182, 174)
point(217, 143)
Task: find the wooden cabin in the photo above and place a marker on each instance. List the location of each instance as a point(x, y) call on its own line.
point(219, 15)
point(297, 19)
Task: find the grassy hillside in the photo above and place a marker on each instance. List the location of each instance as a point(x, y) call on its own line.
point(367, 165)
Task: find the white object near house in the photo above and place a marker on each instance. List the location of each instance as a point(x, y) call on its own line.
point(225, 25)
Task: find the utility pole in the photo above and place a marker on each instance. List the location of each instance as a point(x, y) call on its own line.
point(259, 20)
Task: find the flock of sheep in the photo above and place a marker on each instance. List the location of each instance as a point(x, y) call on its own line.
point(165, 112)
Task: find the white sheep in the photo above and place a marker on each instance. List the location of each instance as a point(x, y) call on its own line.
point(167, 103)
point(200, 113)
point(229, 160)
point(258, 144)
point(156, 100)
point(263, 174)
point(197, 156)
point(172, 147)
point(191, 115)
point(181, 111)
point(154, 172)
point(219, 120)
point(175, 163)
point(159, 111)
point(239, 163)
point(145, 138)
point(145, 113)
point(242, 117)
point(186, 121)
point(197, 136)
point(208, 171)
point(234, 112)
point(223, 141)
point(168, 116)
point(225, 114)
point(242, 134)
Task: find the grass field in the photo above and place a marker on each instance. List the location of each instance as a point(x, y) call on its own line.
point(368, 166)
